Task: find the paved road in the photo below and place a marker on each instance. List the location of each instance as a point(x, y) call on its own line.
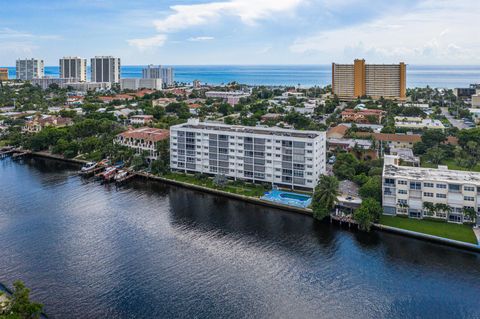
point(457, 123)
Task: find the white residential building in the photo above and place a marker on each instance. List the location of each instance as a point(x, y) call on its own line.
point(45, 82)
point(231, 97)
point(105, 69)
point(87, 86)
point(405, 190)
point(418, 123)
point(159, 72)
point(283, 157)
point(28, 69)
point(135, 84)
point(73, 68)
point(141, 119)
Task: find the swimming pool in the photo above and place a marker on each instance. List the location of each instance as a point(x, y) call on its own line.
point(288, 198)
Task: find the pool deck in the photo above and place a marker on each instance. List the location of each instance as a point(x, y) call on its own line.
point(275, 196)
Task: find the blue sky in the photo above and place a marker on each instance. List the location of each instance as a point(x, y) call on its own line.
point(242, 31)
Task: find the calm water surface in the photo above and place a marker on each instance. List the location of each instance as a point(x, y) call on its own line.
point(154, 251)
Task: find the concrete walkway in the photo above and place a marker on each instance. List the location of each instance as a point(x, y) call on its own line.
point(477, 233)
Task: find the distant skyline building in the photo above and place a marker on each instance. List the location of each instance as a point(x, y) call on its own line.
point(159, 72)
point(73, 68)
point(351, 81)
point(3, 74)
point(105, 69)
point(28, 69)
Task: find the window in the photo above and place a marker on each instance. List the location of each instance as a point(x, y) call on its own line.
point(469, 188)
point(441, 195)
point(426, 194)
point(469, 198)
point(402, 202)
point(454, 187)
point(400, 182)
point(441, 186)
point(427, 184)
point(402, 191)
point(415, 185)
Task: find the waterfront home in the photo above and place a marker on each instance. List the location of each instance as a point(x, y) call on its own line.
point(164, 101)
point(143, 139)
point(406, 189)
point(363, 116)
point(284, 157)
point(37, 123)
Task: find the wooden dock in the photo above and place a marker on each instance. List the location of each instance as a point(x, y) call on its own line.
point(126, 178)
point(20, 154)
point(343, 219)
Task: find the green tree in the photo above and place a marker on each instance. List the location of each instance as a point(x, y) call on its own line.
point(162, 164)
point(470, 213)
point(344, 167)
point(368, 212)
point(435, 155)
point(429, 208)
point(325, 196)
point(372, 189)
point(19, 305)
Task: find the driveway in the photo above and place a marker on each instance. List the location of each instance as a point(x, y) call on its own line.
point(457, 123)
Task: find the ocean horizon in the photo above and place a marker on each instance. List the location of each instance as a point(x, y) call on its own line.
point(437, 76)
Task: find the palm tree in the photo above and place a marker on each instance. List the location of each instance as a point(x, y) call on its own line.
point(325, 196)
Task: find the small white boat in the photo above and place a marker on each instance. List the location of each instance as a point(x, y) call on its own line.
point(89, 166)
point(120, 174)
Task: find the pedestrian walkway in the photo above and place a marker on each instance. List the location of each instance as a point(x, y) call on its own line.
point(477, 233)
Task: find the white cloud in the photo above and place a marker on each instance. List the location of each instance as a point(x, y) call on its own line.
point(249, 12)
point(183, 17)
point(435, 31)
point(148, 43)
point(197, 39)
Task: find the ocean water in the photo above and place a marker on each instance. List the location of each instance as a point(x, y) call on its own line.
point(150, 250)
point(304, 75)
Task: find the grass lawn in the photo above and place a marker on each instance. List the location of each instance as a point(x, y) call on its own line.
point(238, 187)
point(3, 143)
point(437, 228)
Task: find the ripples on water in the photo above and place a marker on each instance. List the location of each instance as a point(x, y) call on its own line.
point(149, 250)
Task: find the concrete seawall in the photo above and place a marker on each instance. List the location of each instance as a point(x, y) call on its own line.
point(431, 238)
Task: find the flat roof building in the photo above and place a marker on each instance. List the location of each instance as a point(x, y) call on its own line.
point(105, 69)
point(351, 81)
point(405, 189)
point(28, 69)
point(73, 68)
point(283, 157)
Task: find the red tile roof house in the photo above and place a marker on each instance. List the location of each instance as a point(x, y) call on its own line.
point(143, 139)
point(362, 116)
point(39, 123)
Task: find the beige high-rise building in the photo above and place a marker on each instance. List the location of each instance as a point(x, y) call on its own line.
point(350, 81)
point(73, 68)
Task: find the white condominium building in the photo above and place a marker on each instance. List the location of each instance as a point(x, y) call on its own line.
point(105, 69)
point(288, 158)
point(28, 69)
point(405, 190)
point(159, 72)
point(73, 68)
point(135, 84)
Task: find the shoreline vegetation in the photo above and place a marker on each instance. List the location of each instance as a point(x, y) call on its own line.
point(420, 229)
